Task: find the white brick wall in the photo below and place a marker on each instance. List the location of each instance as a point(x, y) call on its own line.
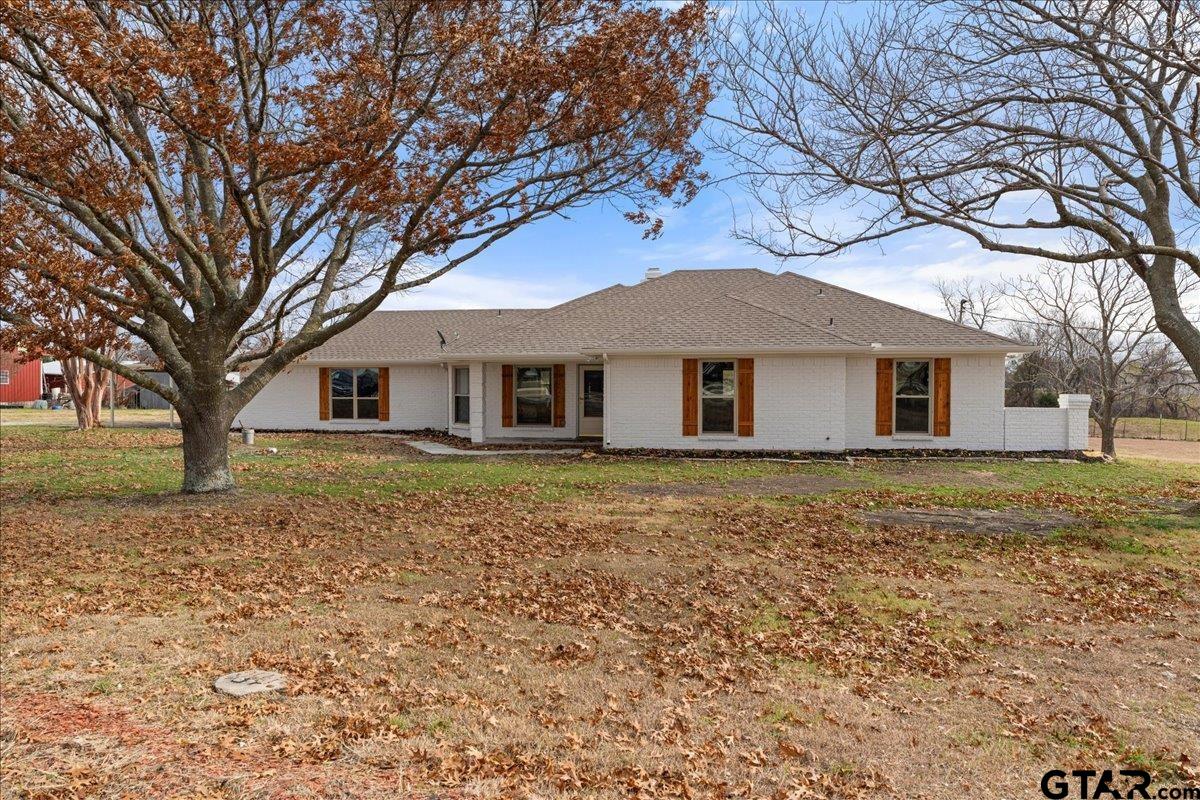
point(493, 402)
point(801, 403)
point(798, 405)
point(418, 398)
point(976, 406)
point(1062, 428)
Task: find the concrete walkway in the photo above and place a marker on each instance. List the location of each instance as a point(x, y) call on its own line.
point(439, 449)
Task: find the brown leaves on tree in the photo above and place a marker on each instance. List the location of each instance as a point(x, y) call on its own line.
point(234, 183)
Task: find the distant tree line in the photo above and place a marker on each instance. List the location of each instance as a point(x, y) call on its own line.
point(1094, 329)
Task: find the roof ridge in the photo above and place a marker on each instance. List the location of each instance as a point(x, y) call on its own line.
point(679, 309)
point(933, 317)
point(545, 312)
point(800, 321)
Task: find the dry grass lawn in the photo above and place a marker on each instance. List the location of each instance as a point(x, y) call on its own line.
point(530, 628)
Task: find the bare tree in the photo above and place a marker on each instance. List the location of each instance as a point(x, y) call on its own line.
point(1009, 121)
point(968, 301)
point(1094, 325)
point(236, 182)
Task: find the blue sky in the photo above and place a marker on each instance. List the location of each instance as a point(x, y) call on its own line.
point(558, 259)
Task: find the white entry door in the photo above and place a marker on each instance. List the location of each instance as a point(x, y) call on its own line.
point(591, 401)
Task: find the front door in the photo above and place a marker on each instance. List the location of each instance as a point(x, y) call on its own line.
point(591, 401)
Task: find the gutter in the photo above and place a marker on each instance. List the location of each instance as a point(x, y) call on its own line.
point(603, 355)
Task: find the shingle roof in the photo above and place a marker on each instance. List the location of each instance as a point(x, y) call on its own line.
point(590, 320)
point(706, 325)
point(387, 336)
point(862, 318)
point(685, 310)
point(741, 309)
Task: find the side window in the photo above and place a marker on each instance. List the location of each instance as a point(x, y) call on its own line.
point(462, 395)
point(718, 384)
point(912, 396)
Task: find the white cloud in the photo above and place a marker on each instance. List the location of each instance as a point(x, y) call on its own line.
point(462, 289)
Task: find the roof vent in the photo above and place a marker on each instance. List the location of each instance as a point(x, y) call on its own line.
point(653, 272)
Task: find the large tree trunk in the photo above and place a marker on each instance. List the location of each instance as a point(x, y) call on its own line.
point(206, 452)
point(1161, 281)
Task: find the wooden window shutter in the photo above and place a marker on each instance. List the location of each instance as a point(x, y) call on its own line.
point(883, 396)
point(385, 392)
point(691, 389)
point(323, 393)
point(506, 396)
point(941, 397)
point(560, 395)
point(745, 396)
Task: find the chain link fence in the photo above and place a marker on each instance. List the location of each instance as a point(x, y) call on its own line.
point(1163, 428)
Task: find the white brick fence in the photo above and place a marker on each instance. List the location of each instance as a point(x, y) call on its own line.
point(1062, 428)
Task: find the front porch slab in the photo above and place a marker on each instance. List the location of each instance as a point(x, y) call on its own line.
point(440, 449)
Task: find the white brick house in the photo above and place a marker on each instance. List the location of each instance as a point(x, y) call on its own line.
point(735, 359)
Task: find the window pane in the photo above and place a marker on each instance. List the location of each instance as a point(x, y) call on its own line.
point(912, 378)
point(718, 414)
point(462, 380)
point(342, 382)
point(912, 414)
point(462, 408)
point(343, 409)
point(593, 393)
point(717, 379)
point(368, 409)
point(533, 395)
point(368, 383)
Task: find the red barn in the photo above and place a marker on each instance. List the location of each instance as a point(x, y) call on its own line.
point(20, 382)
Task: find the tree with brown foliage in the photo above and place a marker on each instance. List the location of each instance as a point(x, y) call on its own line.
point(1012, 122)
point(235, 182)
point(45, 319)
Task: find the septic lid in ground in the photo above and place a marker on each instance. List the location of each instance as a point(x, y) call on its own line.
point(240, 684)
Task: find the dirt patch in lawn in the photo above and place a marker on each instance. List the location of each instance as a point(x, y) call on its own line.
point(773, 486)
point(1038, 522)
point(925, 473)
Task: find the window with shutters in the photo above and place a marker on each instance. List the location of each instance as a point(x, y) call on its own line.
point(718, 393)
point(354, 393)
point(912, 397)
point(462, 395)
point(533, 395)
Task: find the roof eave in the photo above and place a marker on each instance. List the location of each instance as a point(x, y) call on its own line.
point(576, 355)
point(831, 350)
point(327, 361)
point(999, 348)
